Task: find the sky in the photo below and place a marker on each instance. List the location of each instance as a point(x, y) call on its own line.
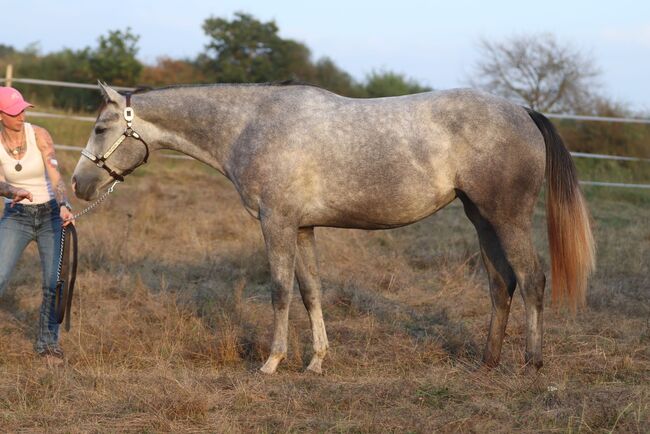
point(433, 42)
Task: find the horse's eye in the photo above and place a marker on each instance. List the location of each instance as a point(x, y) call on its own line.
point(99, 130)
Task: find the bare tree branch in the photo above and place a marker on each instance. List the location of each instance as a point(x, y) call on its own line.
point(537, 71)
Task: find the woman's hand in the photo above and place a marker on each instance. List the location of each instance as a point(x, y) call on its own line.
point(66, 216)
point(20, 194)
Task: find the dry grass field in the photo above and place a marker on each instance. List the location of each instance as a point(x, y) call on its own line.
point(172, 317)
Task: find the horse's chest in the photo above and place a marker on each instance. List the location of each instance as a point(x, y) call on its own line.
point(249, 193)
point(251, 202)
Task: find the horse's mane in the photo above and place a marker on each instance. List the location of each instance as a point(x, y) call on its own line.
point(146, 89)
point(289, 82)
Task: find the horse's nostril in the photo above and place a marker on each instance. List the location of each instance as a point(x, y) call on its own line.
point(74, 184)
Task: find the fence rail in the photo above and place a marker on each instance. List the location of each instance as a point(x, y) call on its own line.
point(60, 116)
point(594, 183)
point(608, 157)
point(597, 118)
point(60, 83)
point(124, 88)
point(10, 80)
point(614, 184)
point(574, 154)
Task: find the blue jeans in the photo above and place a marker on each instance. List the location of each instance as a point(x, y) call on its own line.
point(19, 225)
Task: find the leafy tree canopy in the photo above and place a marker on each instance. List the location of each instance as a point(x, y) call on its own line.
point(248, 50)
point(387, 83)
point(114, 60)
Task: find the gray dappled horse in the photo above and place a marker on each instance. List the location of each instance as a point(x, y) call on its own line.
point(302, 157)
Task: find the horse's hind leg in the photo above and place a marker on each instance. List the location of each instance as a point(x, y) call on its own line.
point(310, 289)
point(502, 280)
point(505, 221)
point(520, 252)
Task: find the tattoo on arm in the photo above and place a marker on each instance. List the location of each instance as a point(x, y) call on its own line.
point(7, 190)
point(46, 146)
point(51, 160)
point(53, 166)
point(59, 192)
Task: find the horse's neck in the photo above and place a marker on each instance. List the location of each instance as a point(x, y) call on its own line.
point(202, 122)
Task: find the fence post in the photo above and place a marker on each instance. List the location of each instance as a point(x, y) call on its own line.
point(9, 75)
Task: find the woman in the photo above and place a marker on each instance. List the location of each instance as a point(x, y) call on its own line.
point(36, 208)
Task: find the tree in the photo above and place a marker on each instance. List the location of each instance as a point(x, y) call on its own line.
point(248, 50)
point(168, 71)
point(66, 65)
point(538, 71)
point(114, 59)
point(388, 83)
point(331, 77)
point(6, 51)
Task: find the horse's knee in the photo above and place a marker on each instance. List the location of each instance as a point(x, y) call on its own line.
point(280, 297)
point(309, 302)
point(533, 288)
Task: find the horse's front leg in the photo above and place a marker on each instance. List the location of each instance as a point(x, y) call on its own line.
point(280, 238)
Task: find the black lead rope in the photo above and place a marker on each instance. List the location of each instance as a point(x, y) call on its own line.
point(67, 274)
point(67, 271)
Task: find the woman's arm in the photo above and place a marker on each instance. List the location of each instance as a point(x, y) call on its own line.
point(46, 146)
point(13, 193)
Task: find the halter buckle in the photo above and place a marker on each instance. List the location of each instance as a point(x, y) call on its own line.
point(128, 114)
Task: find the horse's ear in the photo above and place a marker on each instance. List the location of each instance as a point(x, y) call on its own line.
point(110, 95)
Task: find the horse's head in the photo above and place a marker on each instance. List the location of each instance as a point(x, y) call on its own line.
point(114, 149)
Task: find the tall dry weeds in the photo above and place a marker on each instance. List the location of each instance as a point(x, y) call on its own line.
point(170, 324)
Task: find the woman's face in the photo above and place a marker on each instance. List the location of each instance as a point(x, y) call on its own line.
point(14, 123)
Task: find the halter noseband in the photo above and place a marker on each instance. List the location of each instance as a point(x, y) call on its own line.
point(100, 161)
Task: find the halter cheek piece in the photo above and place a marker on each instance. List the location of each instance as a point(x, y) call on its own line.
point(100, 161)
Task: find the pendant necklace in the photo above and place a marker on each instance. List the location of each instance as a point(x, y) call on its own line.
point(15, 152)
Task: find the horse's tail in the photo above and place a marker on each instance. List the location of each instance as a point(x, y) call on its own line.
point(570, 239)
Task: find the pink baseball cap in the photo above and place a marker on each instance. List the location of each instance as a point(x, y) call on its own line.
point(11, 101)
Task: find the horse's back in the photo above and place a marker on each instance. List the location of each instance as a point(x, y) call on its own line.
point(387, 162)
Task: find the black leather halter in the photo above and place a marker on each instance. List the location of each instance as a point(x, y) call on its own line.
point(100, 161)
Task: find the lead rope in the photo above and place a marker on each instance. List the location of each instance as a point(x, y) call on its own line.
point(97, 202)
point(60, 291)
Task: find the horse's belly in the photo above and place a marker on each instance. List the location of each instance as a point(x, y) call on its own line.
point(380, 211)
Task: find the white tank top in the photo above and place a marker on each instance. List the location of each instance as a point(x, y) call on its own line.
point(33, 176)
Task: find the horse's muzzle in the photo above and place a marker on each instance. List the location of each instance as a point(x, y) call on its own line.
point(83, 189)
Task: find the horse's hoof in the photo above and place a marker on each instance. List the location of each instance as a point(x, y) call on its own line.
point(490, 362)
point(533, 364)
point(272, 363)
point(267, 370)
point(315, 366)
